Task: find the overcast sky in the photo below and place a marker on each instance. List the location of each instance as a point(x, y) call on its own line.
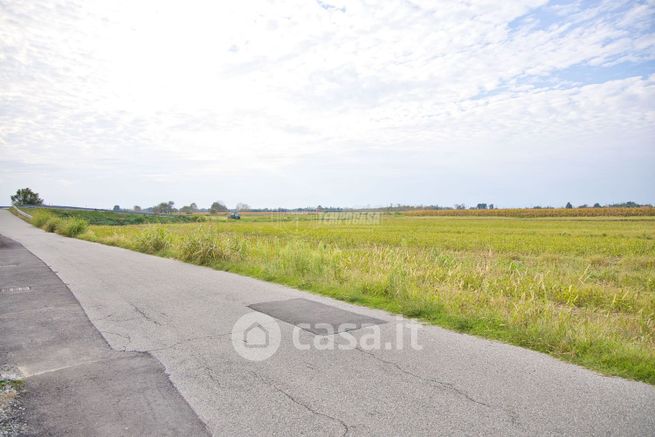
point(300, 103)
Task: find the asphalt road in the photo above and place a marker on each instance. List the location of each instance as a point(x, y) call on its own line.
point(74, 382)
point(183, 316)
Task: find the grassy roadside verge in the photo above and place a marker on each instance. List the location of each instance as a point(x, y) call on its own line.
point(50, 222)
point(115, 218)
point(582, 291)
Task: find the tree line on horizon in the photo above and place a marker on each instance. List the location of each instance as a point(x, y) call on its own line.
point(27, 197)
point(169, 208)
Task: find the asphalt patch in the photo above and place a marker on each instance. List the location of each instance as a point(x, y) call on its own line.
point(315, 317)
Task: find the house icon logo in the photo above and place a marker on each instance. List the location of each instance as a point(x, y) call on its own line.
point(256, 336)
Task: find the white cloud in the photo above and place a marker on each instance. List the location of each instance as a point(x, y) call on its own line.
point(168, 90)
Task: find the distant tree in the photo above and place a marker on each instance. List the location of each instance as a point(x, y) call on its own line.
point(629, 204)
point(568, 205)
point(583, 206)
point(460, 206)
point(164, 208)
point(491, 206)
point(25, 196)
point(597, 205)
point(137, 208)
point(116, 208)
point(481, 206)
point(242, 206)
point(217, 207)
point(189, 209)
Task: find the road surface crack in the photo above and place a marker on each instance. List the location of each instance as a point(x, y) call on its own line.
point(124, 336)
point(109, 318)
point(144, 314)
point(346, 428)
point(211, 375)
point(444, 385)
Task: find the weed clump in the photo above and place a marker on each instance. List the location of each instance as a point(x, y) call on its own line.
point(39, 218)
point(51, 224)
point(71, 227)
point(153, 240)
point(204, 247)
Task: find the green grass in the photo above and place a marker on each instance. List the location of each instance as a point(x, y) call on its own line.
point(15, 384)
point(71, 227)
point(582, 290)
point(50, 222)
point(113, 218)
point(41, 217)
point(153, 239)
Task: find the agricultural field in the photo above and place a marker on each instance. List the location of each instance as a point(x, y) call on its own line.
point(538, 212)
point(579, 288)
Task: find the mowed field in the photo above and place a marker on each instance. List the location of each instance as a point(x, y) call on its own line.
point(579, 288)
